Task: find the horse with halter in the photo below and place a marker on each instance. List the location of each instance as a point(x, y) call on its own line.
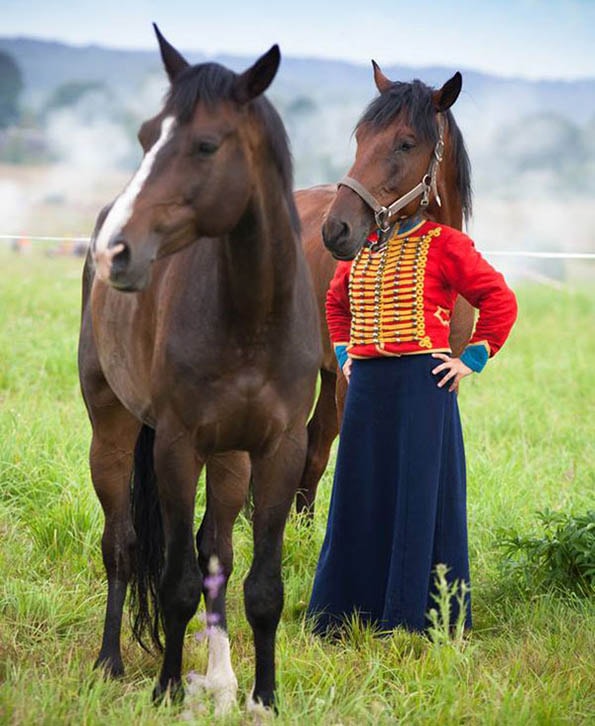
point(213, 360)
point(411, 156)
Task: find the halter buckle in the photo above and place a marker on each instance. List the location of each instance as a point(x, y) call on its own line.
point(426, 184)
point(382, 216)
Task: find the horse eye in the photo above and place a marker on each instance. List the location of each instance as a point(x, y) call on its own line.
point(405, 146)
point(204, 148)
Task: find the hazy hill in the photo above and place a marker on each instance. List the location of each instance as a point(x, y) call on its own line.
point(47, 65)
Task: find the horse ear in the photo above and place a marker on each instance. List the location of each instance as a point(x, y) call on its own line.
point(254, 81)
point(173, 61)
point(382, 82)
point(444, 98)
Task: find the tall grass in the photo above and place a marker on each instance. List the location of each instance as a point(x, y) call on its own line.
point(530, 431)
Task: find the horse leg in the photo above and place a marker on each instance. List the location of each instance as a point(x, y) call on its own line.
point(227, 487)
point(322, 431)
point(177, 467)
point(111, 460)
point(340, 394)
point(275, 481)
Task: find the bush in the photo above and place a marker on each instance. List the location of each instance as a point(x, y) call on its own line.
point(562, 558)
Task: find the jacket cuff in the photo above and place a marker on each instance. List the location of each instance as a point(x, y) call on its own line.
point(475, 357)
point(341, 353)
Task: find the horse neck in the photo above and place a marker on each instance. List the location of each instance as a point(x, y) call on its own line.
point(260, 259)
point(451, 210)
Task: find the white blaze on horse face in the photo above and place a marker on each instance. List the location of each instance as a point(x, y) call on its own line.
point(121, 210)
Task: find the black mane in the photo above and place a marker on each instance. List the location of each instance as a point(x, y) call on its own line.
point(415, 101)
point(212, 83)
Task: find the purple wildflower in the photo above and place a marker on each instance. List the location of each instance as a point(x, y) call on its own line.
point(213, 583)
point(202, 634)
point(215, 579)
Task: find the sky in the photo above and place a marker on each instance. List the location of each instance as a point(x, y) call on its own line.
point(547, 39)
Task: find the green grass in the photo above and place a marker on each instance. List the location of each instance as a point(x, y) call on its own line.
point(529, 429)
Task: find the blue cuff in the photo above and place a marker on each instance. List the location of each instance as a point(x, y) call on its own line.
point(341, 353)
point(475, 357)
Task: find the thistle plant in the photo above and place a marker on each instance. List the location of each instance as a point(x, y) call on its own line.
point(442, 629)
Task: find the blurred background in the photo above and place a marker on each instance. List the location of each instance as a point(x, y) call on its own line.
point(76, 81)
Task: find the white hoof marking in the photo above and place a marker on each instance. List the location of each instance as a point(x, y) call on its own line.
point(220, 679)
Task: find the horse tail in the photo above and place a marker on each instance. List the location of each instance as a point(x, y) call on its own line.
point(145, 614)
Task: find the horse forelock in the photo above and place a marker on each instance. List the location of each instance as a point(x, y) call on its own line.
point(212, 84)
point(208, 83)
point(413, 102)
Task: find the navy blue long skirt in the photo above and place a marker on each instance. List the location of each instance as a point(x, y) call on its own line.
point(398, 506)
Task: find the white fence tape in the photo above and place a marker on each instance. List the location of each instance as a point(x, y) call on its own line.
point(491, 253)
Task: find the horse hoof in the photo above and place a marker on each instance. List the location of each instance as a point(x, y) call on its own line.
point(260, 708)
point(112, 667)
point(223, 690)
point(172, 692)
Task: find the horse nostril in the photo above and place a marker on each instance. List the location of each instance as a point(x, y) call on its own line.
point(335, 231)
point(121, 259)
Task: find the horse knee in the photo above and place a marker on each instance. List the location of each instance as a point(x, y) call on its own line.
point(179, 599)
point(224, 558)
point(315, 467)
point(117, 548)
point(263, 600)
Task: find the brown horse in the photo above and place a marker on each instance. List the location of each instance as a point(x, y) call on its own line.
point(389, 122)
point(217, 351)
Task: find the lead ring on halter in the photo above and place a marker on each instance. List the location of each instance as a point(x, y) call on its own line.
point(427, 185)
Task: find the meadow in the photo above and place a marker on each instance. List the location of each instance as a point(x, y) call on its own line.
point(529, 422)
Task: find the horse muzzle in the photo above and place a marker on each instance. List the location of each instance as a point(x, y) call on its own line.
point(114, 265)
point(339, 238)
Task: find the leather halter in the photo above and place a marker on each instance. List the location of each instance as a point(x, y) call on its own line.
point(427, 185)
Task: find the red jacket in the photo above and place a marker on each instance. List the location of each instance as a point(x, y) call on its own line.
point(398, 300)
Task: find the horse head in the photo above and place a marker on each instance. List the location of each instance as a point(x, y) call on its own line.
point(197, 174)
point(402, 138)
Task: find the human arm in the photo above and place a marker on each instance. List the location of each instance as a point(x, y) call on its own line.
point(467, 272)
point(338, 315)
point(464, 269)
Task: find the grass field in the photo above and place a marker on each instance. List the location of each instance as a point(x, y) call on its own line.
point(530, 431)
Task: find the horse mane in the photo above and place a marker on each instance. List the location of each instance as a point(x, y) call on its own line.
point(212, 83)
point(415, 100)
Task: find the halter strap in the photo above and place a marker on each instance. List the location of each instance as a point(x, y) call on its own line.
point(427, 185)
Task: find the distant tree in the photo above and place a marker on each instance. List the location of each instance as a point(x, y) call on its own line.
point(70, 93)
point(541, 141)
point(301, 105)
point(11, 85)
